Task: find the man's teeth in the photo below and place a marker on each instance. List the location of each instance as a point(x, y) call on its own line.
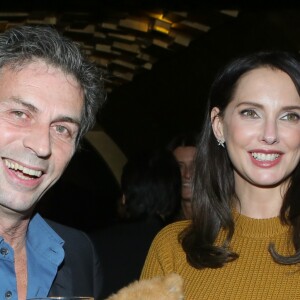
point(24, 170)
point(265, 157)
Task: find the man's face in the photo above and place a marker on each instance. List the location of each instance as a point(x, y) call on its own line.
point(185, 158)
point(40, 111)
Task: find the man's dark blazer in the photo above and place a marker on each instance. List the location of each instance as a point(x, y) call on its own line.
point(122, 249)
point(80, 273)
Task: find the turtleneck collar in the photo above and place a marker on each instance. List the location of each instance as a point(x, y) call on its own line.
point(258, 228)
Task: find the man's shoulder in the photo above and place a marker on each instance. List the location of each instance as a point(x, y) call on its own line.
point(64, 230)
point(73, 238)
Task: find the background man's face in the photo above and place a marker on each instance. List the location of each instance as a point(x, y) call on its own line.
point(185, 158)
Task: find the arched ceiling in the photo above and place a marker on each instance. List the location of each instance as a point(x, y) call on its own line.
point(126, 39)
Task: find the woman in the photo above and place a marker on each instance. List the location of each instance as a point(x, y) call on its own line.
point(243, 241)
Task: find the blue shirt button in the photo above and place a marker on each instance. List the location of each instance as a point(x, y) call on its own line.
point(4, 251)
point(8, 294)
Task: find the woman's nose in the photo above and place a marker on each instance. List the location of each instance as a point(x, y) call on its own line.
point(270, 132)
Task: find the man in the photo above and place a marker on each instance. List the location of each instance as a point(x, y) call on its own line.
point(183, 147)
point(49, 96)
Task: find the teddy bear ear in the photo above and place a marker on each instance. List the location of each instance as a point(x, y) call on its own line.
point(174, 283)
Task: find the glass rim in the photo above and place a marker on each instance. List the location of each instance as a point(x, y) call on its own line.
point(61, 297)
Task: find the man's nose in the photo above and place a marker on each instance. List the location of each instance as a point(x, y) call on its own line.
point(188, 172)
point(38, 140)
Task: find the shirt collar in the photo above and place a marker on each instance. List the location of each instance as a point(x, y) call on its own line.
point(44, 240)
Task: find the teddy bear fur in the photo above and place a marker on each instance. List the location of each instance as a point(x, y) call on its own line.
point(169, 287)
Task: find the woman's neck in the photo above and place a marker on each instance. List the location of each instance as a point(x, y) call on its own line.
point(258, 202)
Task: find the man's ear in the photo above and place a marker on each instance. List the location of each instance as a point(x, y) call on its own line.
point(217, 123)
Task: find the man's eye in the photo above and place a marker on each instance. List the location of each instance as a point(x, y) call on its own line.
point(19, 114)
point(62, 129)
point(181, 165)
point(249, 113)
point(291, 117)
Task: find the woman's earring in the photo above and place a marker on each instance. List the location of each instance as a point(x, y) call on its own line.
point(221, 143)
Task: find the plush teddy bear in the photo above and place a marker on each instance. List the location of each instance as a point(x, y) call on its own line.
point(169, 287)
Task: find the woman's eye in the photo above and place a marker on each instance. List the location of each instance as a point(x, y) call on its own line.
point(291, 117)
point(249, 113)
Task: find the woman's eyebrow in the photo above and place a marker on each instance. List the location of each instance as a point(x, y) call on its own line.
point(291, 107)
point(250, 104)
point(288, 107)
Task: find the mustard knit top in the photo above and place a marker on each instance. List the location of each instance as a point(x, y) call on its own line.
point(254, 275)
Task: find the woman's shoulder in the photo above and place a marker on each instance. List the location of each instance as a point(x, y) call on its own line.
point(177, 226)
point(172, 231)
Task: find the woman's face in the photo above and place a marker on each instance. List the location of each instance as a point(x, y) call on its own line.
point(261, 127)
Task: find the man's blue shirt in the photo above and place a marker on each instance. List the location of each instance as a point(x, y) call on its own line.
point(44, 255)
